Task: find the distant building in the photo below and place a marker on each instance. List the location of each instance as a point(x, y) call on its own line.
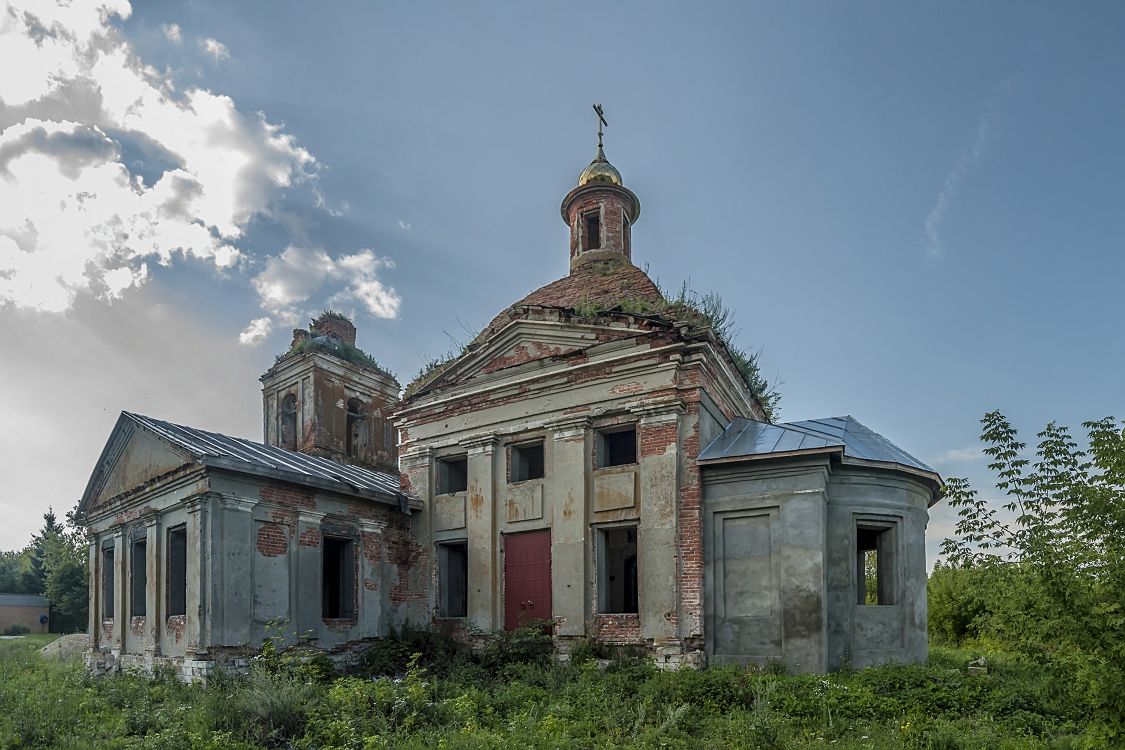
point(23, 611)
point(596, 458)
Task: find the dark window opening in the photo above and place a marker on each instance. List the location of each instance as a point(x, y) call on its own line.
point(177, 571)
point(617, 570)
point(107, 583)
point(452, 475)
point(593, 230)
point(138, 575)
point(874, 565)
point(289, 422)
point(618, 448)
point(527, 462)
point(338, 578)
point(453, 579)
point(357, 413)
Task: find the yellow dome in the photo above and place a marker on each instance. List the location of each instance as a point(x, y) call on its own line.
point(600, 170)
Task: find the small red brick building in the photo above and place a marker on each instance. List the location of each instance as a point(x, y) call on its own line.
point(23, 611)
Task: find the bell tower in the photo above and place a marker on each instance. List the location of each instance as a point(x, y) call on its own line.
point(326, 397)
point(600, 211)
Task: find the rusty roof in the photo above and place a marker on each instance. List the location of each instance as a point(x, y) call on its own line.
point(250, 457)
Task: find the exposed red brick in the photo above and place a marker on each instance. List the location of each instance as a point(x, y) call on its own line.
point(272, 540)
point(655, 440)
point(619, 629)
point(177, 624)
point(309, 538)
point(288, 495)
point(137, 626)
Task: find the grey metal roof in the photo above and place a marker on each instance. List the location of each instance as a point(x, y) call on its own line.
point(22, 600)
point(248, 456)
point(843, 435)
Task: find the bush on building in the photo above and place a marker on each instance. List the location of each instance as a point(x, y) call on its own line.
point(16, 629)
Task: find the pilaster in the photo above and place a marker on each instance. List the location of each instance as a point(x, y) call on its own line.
point(120, 592)
point(154, 603)
point(481, 530)
point(566, 485)
point(658, 457)
point(197, 554)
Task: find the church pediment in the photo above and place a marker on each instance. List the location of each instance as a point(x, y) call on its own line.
point(526, 345)
point(131, 458)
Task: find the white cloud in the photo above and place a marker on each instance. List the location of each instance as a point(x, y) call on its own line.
point(255, 332)
point(299, 274)
point(173, 32)
point(968, 157)
point(405, 226)
point(73, 216)
point(214, 48)
point(957, 456)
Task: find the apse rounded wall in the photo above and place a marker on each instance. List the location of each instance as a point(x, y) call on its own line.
point(876, 528)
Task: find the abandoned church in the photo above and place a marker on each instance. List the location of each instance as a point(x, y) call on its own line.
point(597, 458)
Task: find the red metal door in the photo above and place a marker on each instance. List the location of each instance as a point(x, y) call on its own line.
point(527, 577)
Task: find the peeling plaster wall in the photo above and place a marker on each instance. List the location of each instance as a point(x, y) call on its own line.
point(546, 379)
point(781, 582)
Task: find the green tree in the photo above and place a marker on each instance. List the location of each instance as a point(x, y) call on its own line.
point(12, 567)
point(1053, 578)
point(35, 575)
point(66, 585)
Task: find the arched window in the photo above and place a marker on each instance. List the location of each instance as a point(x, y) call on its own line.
point(289, 423)
point(357, 412)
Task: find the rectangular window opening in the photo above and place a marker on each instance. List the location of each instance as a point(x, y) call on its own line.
point(337, 578)
point(874, 565)
point(593, 230)
point(452, 475)
point(107, 583)
point(618, 448)
point(139, 577)
point(617, 570)
point(453, 579)
point(527, 462)
point(177, 571)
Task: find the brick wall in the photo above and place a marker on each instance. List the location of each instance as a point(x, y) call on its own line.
point(25, 616)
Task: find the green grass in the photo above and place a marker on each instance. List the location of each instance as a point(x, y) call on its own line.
point(492, 703)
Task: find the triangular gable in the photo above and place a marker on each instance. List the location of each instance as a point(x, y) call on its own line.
point(132, 456)
point(524, 342)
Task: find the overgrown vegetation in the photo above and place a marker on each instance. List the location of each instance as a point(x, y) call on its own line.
point(517, 697)
point(699, 310)
point(342, 349)
point(1050, 582)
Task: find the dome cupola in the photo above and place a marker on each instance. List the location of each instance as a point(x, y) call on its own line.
point(600, 211)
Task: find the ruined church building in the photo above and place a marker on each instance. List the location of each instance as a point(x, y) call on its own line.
point(595, 458)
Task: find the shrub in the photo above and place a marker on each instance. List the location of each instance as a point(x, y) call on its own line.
point(17, 630)
point(439, 653)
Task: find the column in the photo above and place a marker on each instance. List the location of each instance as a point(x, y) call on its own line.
point(120, 592)
point(305, 575)
point(196, 611)
point(232, 559)
point(480, 526)
point(94, 623)
point(154, 602)
point(657, 571)
point(570, 549)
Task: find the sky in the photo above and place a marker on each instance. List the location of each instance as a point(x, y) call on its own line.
point(915, 210)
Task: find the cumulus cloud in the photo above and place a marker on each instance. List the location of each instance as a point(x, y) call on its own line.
point(256, 332)
point(74, 217)
point(957, 456)
point(298, 275)
point(214, 48)
point(173, 32)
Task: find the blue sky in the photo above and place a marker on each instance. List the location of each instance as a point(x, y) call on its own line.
point(915, 210)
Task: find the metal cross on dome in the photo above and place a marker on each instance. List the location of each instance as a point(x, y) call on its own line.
point(601, 121)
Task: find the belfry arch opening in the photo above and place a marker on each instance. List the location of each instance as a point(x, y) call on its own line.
point(357, 413)
point(289, 422)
